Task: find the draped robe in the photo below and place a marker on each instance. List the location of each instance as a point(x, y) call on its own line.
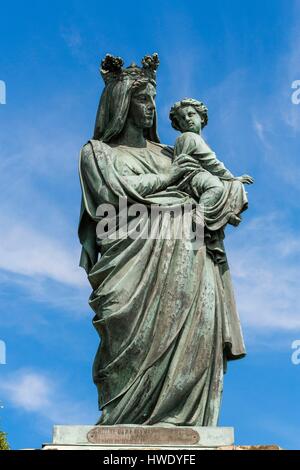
point(165, 312)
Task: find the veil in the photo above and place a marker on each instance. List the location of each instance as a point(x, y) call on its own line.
point(113, 110)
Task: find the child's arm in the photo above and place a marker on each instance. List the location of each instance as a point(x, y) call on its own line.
point(193, 144)
point(207, 158)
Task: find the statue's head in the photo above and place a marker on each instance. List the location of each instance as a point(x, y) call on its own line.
point(129, 93)
point(189, 115)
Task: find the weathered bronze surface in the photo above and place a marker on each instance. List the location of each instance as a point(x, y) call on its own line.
point(165, 311)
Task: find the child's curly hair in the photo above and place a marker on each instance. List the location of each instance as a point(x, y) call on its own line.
point(198, 105)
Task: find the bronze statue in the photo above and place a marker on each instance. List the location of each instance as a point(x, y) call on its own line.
point(165, 311)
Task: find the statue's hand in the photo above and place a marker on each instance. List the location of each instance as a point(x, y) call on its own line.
point(181, 165)
point(245, 179)
point(234, 220)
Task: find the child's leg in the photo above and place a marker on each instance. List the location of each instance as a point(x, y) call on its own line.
point(209, 188)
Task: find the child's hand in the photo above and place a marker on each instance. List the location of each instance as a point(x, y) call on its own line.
point(245, 179)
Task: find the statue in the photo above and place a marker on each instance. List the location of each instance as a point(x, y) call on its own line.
point(211, 181)
point(165, 312)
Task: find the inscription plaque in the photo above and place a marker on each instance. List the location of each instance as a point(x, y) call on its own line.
point(142, 436)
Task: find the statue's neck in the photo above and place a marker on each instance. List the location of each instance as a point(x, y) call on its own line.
point(131, 136)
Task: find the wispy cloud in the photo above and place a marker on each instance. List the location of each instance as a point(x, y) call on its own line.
point(39, 248)
point(26, 251)
point(72, 37)
point(278, 430)
point(277, 119)
point(39, 394)
point(265, 266)
point(261, 133)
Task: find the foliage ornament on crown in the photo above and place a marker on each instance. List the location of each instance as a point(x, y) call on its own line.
point(111, 69)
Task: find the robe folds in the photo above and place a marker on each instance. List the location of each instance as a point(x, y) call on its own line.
point(165, 311)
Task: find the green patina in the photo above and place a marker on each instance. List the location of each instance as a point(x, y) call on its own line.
point(165, 312)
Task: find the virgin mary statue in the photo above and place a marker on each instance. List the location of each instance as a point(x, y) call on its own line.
point(165, 311)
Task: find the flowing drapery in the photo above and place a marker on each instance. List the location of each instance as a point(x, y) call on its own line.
point(165, 312)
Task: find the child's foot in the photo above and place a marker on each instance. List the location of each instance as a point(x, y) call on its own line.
point(234, 220)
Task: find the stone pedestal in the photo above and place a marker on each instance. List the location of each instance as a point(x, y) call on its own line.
point(133, 437)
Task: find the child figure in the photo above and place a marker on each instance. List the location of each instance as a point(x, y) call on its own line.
point(190, 116)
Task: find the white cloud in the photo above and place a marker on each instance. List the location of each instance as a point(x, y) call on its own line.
point(259, 129)
point(27, 251)
point(30, 392)
point(261, 133)
point(37, 393)
point(70, 299)
point(264, 260)
point(39, 240)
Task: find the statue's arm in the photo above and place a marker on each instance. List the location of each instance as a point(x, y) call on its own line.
point(89, 171)
point(147, 183)
point(143, 184)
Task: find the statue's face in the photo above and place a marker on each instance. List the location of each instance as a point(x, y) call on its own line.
point(142, 106)
point(189, 120)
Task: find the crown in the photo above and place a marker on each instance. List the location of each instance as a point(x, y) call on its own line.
point(112, 68)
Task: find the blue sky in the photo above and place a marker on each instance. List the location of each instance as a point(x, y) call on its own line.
point(240, 58)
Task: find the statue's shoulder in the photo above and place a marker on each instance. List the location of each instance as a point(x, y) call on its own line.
point(93, 148)
point(86, 151)
point(190, 137)
point(95, 145)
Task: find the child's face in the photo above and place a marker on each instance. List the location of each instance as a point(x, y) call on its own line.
point(189, 120)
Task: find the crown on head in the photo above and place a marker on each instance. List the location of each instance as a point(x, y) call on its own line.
point(112, 68)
